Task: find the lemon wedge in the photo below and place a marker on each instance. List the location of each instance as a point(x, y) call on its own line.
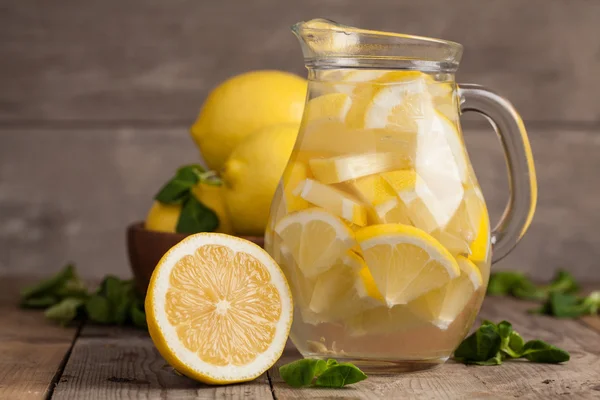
point(333, 200)
point(353, 166)
point(443, 305)
point(295, 173)
point(344, 290)
point(417, 202)
point(315, 238)
point(405, 261)
point(333, 106)
point(219, 309)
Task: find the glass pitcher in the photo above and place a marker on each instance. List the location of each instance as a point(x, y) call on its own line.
point(378, 222)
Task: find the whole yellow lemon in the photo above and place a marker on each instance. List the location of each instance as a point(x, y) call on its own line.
point(251, 174)
point(241, 106)
point(164, 217)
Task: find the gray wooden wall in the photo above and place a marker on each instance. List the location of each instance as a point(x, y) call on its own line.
point(96, 98)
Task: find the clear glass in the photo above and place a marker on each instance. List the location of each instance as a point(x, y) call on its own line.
point(379, 223)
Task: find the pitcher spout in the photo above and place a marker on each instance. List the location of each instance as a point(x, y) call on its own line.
point(328, 44)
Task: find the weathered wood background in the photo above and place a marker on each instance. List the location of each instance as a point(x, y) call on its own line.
point(96, 98)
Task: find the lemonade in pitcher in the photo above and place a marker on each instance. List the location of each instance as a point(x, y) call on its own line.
point(379, 223)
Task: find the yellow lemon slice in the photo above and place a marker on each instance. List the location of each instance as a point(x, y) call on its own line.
point(372, 189)
point(333, 106)
point(353, 166)
point(405, 261)
point(294, 174)
point(219, 309)
point(316, 238)
point(417, 201)
point(384, 320)
point(344, 290)
point(442, 306)
point(333, 200)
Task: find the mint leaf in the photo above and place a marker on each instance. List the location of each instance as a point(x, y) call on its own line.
point(196, 217)
point(496, 360)
point(43, 301)
point(65, 311)
point(302, 372)
point(480, 346)
point(563, 282)
point(177, 190)
point(542, 352)
point(340, 375)
point(98, 309)
point(591, 303)
point(502, 283)
point(50, 286)
point(507, 334)
point(491, 344)
point(138, 315)
point(331, 362)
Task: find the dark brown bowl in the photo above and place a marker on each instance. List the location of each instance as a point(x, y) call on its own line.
point(146, 248)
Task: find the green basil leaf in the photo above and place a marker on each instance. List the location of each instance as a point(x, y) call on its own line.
point(196, 217)
point(50, 285)
point(98, 309)
point(515, 344)
point(340, 375)
point(496, 360)
point(65, 311)
point(138, 315)
point(301, 372)
point(482, 345)
point(502, 283)
point(177, 190)
point(542, 352)
point(43, 301)
point(591, 303)
point(563, 282)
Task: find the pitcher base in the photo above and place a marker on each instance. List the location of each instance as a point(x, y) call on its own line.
point(386, 367)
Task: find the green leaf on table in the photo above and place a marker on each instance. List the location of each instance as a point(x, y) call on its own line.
point(510, 344)
point(50, 286)
point(196, 217)
point(331, 362)
point(138, 315)
point(340, 375)
point(591, 303)
point(496, 360)
point(65, 311)
point(302, 372)
point(502, 283)
point(43, 301)
point(542, 352)
point(563, 282)
point(564, 305)
point(481, 345)
point(98, 309)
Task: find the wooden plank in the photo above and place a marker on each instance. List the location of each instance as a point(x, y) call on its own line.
point(61, 62)
point(123, 363)
point(579, 378)
point(32, 349)
point(592, 321)
point(86, 224)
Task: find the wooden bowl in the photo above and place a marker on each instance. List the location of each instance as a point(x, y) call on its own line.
point(145, 249)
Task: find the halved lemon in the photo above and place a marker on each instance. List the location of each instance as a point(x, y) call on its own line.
point(315, 238)
point(219, 309)
point(333, 200)
point(442, 306)
point(405, 261)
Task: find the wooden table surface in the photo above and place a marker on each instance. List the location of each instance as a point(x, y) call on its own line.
point(41, 360)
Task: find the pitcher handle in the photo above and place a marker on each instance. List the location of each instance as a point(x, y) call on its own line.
point(510, 129)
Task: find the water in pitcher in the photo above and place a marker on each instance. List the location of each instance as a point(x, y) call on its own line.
point(379, 223)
